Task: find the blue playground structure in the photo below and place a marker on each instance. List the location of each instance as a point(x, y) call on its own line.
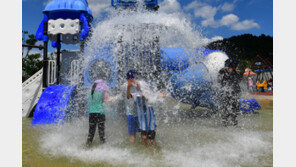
point(66, 21)
point(65, 9)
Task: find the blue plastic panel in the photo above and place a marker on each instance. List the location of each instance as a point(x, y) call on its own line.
point(104, 55)
point(79, 5)
point(175, 59)
point(248, 105)
point(192, 86)
point(178, 59)
point(68, 9)
point(52, 105)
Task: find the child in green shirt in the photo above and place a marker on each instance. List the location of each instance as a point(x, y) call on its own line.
point(97, 97)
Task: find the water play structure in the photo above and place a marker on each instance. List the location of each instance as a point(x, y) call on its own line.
point(149, 4)
point(187, 74)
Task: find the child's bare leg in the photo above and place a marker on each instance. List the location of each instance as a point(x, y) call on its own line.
point(144, 140)
point(153, 142)
point(132, 138)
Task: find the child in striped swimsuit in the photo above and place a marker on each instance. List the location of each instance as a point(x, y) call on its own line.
point(146, 118)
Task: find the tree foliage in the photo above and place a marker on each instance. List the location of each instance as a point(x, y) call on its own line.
point(30, 65)
point(24, 33)
point(31, 41)
point(245, 47)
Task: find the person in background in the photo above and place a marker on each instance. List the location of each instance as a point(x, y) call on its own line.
point(250, 83)
point(229, 80)
point(97, 97)
point(133, 87)
point(270, 85)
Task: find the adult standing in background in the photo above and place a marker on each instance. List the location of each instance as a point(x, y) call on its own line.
point(229, 80)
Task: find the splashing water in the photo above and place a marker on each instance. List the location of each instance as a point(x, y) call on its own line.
point(131, 37)
point(182, 141)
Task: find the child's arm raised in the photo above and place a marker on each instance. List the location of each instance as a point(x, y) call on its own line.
point(107, 99)
point(128, 92)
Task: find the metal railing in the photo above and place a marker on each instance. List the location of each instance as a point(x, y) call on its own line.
point(51, 76)
point(32, 78)
point(74, 72)
point(31, 91)
point(32, 88)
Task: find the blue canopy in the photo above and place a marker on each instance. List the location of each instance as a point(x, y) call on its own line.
point(68, 9)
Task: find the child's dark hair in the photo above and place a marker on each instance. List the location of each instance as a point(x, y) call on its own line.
point(93, 89)
point(131, 74)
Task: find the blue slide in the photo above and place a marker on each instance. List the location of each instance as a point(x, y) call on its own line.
point(52, 105)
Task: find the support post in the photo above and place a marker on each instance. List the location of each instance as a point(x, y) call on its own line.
point(82, 46)
point(82, 42)
point(157, 62)
point(58, 58)
point(80, 84)
point(45, 60)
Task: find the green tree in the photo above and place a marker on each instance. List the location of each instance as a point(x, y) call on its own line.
point(245, 47)
point(31, 41)
point(24, 33)
point(30, 65)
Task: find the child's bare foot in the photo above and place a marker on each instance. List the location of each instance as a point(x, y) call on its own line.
point(132, 138)
point(144, 140)
point(153, 143)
